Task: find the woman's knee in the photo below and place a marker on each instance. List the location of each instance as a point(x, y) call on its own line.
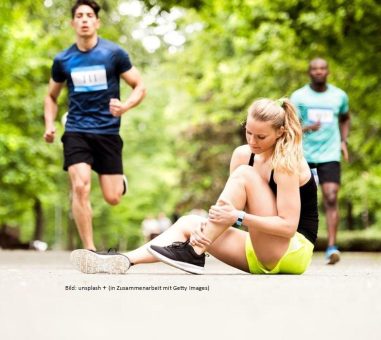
point(260, 199)
point(246, 173)
point(189, 223)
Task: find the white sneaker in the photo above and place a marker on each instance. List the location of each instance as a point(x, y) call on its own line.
point(91, 262)
point(39, 245)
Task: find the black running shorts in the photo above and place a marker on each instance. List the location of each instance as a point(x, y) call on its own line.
point(102, 152)
point(328, 172)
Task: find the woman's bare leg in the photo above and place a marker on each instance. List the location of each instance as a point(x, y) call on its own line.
point(230, 248)
point(244, 188)
point(247, 190)
point(90, 262)
point(179, 232)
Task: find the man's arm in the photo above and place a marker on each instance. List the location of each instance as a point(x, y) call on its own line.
point(344, 125)
point(134, 80)
point(312, 127)
point(50, 109)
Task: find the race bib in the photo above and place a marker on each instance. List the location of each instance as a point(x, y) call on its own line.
point(90, 78)
point(324, 116)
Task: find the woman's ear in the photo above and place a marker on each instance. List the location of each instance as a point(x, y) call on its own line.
point(280, 131)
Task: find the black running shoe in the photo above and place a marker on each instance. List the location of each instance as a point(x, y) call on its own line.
point(180, 255)
point(92, 262)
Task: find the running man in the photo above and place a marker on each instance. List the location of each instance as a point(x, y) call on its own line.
point(324, 112)
point(92, 68)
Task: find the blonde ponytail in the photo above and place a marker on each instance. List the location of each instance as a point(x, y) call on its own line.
point(288, 152)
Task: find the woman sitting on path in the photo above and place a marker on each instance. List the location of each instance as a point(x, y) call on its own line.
point(270, 190)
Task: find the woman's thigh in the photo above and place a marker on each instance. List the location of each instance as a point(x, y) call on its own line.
point(230, 248)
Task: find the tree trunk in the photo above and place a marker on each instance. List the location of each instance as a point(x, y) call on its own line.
point(38, 219)
point(350, 222)
point(365, 216)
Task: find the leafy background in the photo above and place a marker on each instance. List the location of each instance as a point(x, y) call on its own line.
point(177, 143)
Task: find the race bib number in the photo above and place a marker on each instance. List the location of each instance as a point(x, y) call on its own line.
point(90, 78)
point(324, 116)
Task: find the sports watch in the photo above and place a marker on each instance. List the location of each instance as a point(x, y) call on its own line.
point(240, 216)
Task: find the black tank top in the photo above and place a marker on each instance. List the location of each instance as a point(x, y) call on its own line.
point(309, 218)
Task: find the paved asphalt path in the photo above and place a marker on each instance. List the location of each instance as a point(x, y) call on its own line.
point(43, 297)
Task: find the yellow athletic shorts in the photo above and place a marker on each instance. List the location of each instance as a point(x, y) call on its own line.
point(295, 261)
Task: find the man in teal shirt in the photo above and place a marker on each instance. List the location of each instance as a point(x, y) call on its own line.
point(324, 113)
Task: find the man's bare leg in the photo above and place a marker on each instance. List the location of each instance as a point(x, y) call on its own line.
point(80, 178)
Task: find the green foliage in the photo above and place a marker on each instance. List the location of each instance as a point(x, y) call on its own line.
point(177, 143)
point(29, 168)
point(249, 49)
point(26, 166)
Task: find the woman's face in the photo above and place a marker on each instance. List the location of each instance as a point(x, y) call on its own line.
point(261, 136)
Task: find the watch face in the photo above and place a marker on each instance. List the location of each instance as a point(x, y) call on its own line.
point(241, 216)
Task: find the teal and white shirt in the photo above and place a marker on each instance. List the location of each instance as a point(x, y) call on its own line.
point(323, 145)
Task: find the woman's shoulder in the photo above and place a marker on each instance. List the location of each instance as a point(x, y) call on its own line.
point(302, 176)
point(305, 172)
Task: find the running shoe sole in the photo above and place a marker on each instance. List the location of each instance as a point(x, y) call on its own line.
point(187, 267)
point(333, 258)
point(89, 262)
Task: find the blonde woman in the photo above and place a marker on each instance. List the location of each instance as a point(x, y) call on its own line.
point(270, 190)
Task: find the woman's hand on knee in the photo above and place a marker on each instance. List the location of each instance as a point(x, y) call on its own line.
point(198, 238)
point(223, 213)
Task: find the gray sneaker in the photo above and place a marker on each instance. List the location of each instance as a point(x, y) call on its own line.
point(91, 262)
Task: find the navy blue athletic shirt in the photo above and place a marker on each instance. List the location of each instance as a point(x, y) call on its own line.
point(92, 79)
point(309, 217)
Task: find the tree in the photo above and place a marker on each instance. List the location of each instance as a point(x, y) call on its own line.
point(262, 48)
point(31, 179)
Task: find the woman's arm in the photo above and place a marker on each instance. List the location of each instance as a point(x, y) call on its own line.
point(284, 224)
